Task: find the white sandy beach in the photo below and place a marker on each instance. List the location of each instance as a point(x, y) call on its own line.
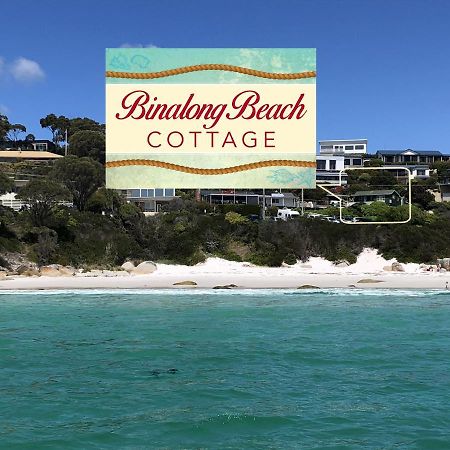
point(368, 272)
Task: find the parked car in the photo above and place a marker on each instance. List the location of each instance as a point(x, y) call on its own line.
point(286, 214)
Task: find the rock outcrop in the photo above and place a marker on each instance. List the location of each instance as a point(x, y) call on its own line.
point(185, 283)
point(226, 286)
point(128, 266)
point(369, 281)
point(51, 270)
point(397, 267)
point(144, 268)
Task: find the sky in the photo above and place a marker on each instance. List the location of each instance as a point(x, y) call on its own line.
point(383, 66)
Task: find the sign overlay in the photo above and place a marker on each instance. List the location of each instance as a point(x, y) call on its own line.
point(210, 118)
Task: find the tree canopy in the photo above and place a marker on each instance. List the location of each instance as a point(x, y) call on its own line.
point(4, 127)
point(88, 143)
point(42, 196)
point(82, 176)
point(57, 126)
point(6, 183)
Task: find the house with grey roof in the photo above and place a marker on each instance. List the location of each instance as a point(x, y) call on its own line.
point(389, 196)
point(409, 156)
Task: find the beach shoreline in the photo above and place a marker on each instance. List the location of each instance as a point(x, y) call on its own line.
point(371, 271)
point(324, 281)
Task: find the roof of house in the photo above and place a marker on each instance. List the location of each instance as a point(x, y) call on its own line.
point(219, 192)
point(28, 154)
point(342, 140)
point(380, 192)
point(408, 150)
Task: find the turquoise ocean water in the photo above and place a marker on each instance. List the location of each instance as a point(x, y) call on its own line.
point(255, 369)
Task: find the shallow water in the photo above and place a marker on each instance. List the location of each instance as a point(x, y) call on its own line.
point(234, 369)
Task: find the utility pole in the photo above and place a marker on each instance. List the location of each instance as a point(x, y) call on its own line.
point(303, 203)
point(264, 205)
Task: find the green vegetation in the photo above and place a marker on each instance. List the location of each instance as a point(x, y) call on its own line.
point(102, 230)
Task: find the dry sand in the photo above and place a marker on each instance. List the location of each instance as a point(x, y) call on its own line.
point(367, 272)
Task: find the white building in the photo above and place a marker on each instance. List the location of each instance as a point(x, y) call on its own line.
point(328, 169)
point(9, 200)
point(150, 200)
point(330, 162)
point(343, 146)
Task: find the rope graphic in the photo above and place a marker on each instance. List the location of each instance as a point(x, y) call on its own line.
point(199, 171)
point(200, 67)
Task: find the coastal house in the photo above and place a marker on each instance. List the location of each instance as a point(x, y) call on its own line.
point(282, 200)
point(229, 197)
point(329, 167)
point(409, 156)
point(242, 197)
point(9, 200)
point(43, 145)
point(336, 155)
point(150, 200)
point(343, 146)
point(418, 172)
point(40, 145)
point(389, 196)
point(444, 187)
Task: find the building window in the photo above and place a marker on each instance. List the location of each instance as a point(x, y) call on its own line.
point(357, 162)
point(349, 147)
point(159, 192)
point(420, 172)
point(332, 164)
point(359, 147)
point(40, 147)
point(169, 192)
point(135, 193)
point(326, 147)
point(144, 192)
point(321, 164)
point(346, 161)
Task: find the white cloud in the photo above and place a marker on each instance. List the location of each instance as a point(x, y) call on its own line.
point(128, 45)
point(26, 70)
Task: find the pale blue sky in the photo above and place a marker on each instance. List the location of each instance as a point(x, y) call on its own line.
point(383, 66)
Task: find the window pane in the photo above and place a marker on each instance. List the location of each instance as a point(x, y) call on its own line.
point(359, 147)
point(349, 147)
point(135, 193)
point(170, 192)
point(321, 164)
point(159, 192)
point(144, 193)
